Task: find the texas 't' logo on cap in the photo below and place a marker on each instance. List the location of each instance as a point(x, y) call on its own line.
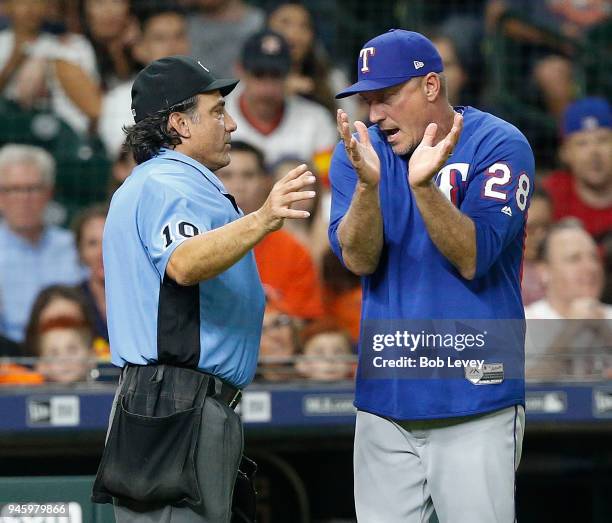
point(393, 58)
point(365, 54)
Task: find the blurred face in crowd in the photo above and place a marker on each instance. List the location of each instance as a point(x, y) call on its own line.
point(294, 23)
point(23, 197)
point(107, 19)
point(245, 181)
point(122, 167)
point(455, 75)
point(60, 307)
point(207, 133)
point(403, 111)
point(26, 15)
point(278, 342)
point(163, 35)
point(264, 90)
point(539, 220)
point(210, 6)
point(90, 246)
point(588, 154)
point(65, 356)
point(325, 357)
point(573, 268)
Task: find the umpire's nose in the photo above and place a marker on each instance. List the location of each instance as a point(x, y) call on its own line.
point(230, 123)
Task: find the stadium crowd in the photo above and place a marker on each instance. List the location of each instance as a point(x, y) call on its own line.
point(66, 71)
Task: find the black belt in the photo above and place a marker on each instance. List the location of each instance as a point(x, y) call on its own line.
point(229, 394)
point(221, 391)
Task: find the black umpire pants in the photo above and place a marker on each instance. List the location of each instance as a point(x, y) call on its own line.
point(220, 444)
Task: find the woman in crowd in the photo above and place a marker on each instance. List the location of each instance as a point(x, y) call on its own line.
point(279, 345)
point(56, 301)
point(112, 30)
point(311, 75)
point(39, 60)
point(88, 228)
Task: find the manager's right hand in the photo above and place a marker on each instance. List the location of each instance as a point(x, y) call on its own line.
point(360, 152)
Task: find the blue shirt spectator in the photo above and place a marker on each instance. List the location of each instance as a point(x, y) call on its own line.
point(32, 255)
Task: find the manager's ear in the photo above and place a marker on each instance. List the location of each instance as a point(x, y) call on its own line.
point(432, 86)
point(180, 123)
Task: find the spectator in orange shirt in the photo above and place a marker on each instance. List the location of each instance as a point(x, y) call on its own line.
point(286, 268)
point(341, 295)
point(584, 190)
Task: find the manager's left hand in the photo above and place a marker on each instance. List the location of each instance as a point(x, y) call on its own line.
point(427, 159)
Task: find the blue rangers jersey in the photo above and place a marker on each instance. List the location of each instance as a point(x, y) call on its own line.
point(489, 177)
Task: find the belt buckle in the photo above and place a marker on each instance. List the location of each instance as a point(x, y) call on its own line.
point(235, 399)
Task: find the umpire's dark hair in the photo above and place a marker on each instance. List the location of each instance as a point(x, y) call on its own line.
point(150, 134)
point(244, 147)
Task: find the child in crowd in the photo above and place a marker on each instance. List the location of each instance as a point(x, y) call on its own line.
point(326, 352)
point(65, 350)
point(279, 345)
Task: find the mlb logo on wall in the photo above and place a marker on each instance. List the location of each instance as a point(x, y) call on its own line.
point(418, 65)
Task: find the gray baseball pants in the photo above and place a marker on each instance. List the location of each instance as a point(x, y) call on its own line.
point(463, 468)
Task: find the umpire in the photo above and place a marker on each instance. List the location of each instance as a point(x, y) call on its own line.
point(185, 303)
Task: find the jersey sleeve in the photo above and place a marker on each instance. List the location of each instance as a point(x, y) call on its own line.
point(166, 218)
point(497, 199)
point(343, 180)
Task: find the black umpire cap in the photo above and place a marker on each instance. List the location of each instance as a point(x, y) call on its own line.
point(171, 80)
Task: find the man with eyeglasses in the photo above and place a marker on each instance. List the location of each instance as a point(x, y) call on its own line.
point(33, 255)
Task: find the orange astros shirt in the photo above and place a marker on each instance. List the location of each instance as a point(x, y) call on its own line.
point(288, 274)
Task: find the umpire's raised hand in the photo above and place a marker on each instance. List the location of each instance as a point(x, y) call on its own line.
point(360, 152)
point(288, 190)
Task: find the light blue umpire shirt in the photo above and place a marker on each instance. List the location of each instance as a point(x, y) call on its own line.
point(215, 325)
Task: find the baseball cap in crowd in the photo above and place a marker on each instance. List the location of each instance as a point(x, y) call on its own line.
point(266, 52)
point(393, 58)
point(170, 80)
point(586, 114)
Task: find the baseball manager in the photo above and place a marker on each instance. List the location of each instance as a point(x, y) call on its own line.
point(429, 206)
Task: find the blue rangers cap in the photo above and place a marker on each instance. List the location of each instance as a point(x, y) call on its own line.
point(586, 114)
point(393, 58)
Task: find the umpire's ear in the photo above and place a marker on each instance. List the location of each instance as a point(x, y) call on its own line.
point(180, 123)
